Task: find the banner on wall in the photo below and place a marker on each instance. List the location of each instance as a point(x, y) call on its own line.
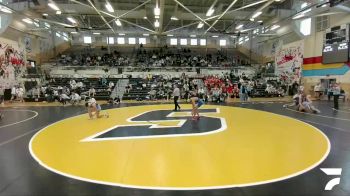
point(288, 62)
point(12, 58)
point(28, 44)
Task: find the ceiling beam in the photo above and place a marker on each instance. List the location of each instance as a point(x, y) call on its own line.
point(227, 9)
point(161, 17)
point(102, 17)
point(115, 17)
point(194, 14)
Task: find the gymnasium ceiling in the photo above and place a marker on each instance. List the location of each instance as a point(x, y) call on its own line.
point(176, 16)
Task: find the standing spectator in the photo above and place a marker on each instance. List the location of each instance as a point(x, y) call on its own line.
point(2, 89)
point(13, 93)
point(20, 93)
point(317, 90)
point(92, 92)
point(176, 94)
point(336, 93)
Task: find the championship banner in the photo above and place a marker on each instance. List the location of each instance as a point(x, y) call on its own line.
point(288, 61)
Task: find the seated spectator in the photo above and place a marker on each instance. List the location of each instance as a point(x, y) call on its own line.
point(75, 98)
point(64, 98)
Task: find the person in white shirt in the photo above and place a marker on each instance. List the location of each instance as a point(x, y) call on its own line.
point(176, 94)
point(13, 93)
point(92, 92)
point(75, 98)
point(317, 90)
point(94, 109)
point(20, 94)
point(64, 98)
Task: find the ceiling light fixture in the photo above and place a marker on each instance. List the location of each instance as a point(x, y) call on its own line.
point(72, 20)
point(251, 19)
point(170, 35)
point(156, 23)
point(156, 11)
point(260, 21)
point(174, 18)
point(145, 17)
point(257, 14)
point(210, 12)
point(274, 27)
point(192, 35)
point(44, 14)
point(215, 36)
point(73, 32)
point(146, 34)
point(96, 33)
point(53, 6)
point(27, 20)
point(121, 34)
point(156, 17)
point(200, 25)
point(306, 11)
point(109, 7)
point(118, 23)
point(58, 12)
point(239, 26)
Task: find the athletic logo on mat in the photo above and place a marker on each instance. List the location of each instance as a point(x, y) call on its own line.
point(163, 123)
point(332, 172)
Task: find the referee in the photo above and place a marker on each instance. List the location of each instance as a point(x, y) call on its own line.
point(176, 94)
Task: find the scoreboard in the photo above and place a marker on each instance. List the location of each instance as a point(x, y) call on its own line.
point(335, 53)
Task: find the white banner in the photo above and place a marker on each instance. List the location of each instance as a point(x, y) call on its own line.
point(289, 61)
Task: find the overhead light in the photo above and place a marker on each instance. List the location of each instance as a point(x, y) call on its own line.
point(96, 33)
point(53, 6)
point(260, 21)
point(324, 5)
point(156, 11)
point(174, 18)
point(298, 16)
point(156, 23)
point(257, 14)
point(58, 12)
point(170, 35)
point(215, 36)
point(71, 20)
point(277, 0)
point(239, 26)
point(156, 17)
point(145, 17)
point(44, 14)
point(306, 11)
point(121, 34)
point(109, 7)
point(118, 22)
point(73, 32)
point(210, 12)
point(192, 35)
point(5, 9)
point(27, 20)
point(251, 19)
point(146, 34)
point(200, 25)
point(275, 27)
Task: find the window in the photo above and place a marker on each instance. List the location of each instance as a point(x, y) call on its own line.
point(142, 40)
point(183, 42)
point(87, 40)
point(110, 40)
point(132, 40)
point(222, 42)
point(121, 40)
point(305, 26)
point(203, 42)
point(173, 41)
point(194, 42)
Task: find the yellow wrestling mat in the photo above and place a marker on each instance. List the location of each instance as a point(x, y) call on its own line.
point(152, 147)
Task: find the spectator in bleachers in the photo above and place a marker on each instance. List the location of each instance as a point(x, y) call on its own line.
point(92, 92)
point(64, 98)
point(75, 98)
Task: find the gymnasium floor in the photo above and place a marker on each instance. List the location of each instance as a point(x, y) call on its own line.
point(149, 150)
